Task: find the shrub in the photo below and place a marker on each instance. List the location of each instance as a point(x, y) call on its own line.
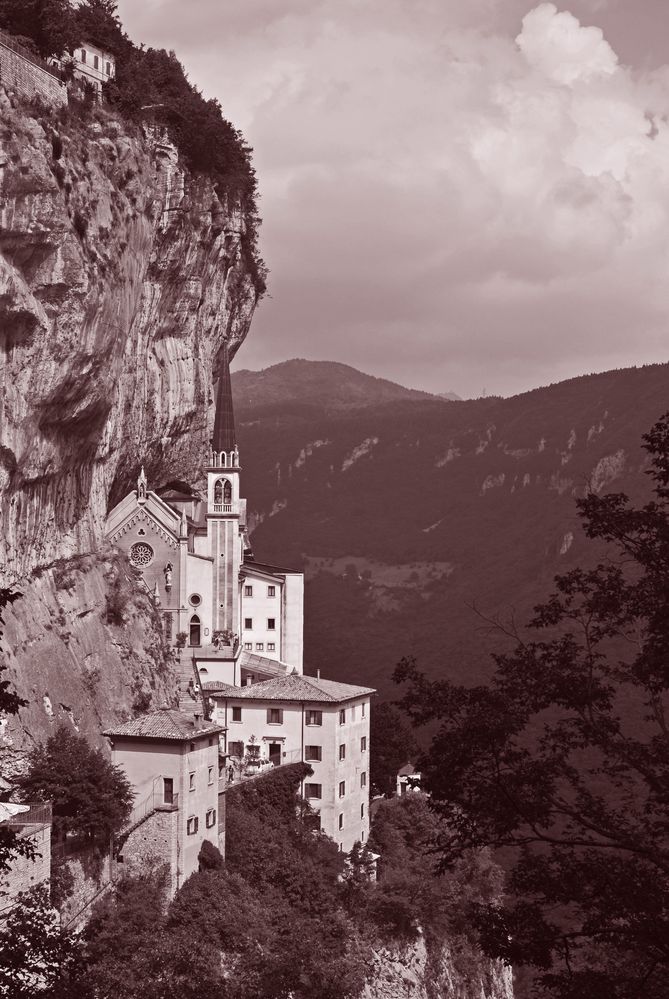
point(210, 857)
point(80, 223)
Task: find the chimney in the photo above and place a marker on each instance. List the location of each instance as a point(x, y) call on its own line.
point(198, 719)
point(249, 681)
point(318, 674)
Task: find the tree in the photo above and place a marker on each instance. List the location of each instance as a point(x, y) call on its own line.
point(392, 744)
point(90, 795)
point(37, 957)
point(48, 24)
point(564, 759)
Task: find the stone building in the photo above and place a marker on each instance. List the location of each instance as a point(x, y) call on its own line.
point(303, 718)
point(32, 821)
point(172, 762)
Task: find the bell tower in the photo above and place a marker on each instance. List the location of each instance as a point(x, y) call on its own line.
point(224, 508)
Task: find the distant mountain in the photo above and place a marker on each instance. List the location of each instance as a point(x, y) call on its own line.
point(451, 396)
point(406, 513)
point(326, 384)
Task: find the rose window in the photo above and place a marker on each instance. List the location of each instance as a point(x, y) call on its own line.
point(141, 554)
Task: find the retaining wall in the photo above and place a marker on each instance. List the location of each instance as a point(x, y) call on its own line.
point(27, 78)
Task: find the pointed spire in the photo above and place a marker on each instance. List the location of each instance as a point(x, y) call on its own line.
point(141, 485)
point(224, 435)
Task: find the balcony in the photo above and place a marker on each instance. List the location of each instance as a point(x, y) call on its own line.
point(223, 507)
point(249, 767)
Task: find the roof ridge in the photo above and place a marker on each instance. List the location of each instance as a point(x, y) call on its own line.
point(308, 679)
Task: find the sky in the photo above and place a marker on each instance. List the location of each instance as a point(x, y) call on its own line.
point(458, 195)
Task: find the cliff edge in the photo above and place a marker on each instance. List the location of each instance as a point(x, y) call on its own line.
point(122, 276)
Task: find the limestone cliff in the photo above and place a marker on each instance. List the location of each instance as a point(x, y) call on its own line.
point(414, 971)
point(83, 646)
point(122, 275)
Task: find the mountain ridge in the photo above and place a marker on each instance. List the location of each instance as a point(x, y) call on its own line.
point(332, 384)
point(406, 514)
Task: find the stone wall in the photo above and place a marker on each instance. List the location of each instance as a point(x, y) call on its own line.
point(87, 874)
point(25, 874)
point(152, 843)
point(20, 74)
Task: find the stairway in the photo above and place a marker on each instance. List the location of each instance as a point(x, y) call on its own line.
point(189, 702)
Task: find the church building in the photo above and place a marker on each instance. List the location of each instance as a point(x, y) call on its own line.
point(238, 619)
point(237, 624)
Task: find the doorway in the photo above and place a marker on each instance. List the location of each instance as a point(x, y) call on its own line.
point(275, 753)
point(195, 630)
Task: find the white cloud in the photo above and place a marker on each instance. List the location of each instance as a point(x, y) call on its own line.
point(557, 44)
point(443, 203)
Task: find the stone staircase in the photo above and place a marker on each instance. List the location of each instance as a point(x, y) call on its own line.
point(189, 702)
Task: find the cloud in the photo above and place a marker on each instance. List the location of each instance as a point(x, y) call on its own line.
point(557, 45)
point(458, 192)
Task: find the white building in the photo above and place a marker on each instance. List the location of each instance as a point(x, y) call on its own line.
point(303, 718)
point(241, 618)
point(93, 65)
point(241, 624)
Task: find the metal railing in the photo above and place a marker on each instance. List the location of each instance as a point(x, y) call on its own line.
point(39, 814)
point(236, 774)
point(11, 43)
point(156, 799)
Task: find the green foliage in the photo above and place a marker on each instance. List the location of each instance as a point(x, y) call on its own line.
point(37, 957)
point(50, 25)
point(90, 795)
point(412, 892)
point(392, 744)
point(563, 758)
point(118, 596)
point(210, 857)
point(131, 953)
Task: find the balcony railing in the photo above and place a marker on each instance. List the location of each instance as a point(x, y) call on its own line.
point(239, 770)
point(222, 507)
point(38, 814)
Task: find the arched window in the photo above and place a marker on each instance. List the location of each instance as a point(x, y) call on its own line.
point(195, 630)
point(222, 492)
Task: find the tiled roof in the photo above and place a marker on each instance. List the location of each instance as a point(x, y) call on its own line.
point(252, 563)
point(165, 724)
point(293, 687)
point(251, 660)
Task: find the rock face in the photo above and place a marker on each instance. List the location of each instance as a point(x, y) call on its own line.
point(83, 646)
point(415, 972)
point(122, 276)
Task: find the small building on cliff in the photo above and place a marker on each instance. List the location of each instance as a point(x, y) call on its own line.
point(93, 66)
point(172, 762)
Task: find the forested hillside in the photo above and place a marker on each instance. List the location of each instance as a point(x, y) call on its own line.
point(405, 514)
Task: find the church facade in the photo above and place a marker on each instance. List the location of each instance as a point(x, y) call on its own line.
point(236, 617)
